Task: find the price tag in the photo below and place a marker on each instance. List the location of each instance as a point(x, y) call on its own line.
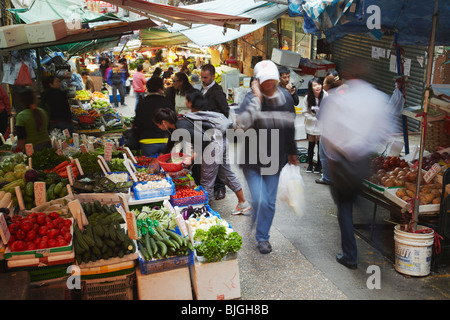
point(76, 139)
point(59, 152)
point(434, 170)
point(101, 167)
point(108, 151)
point(29, 149)
point(78, 213)
point(130, 154)
point(30, 163)
point(11, 125)
point(65, 145)
point(19, 198)
point(66, 133)
point(83, 148)
point(105, 165)
point(80, 170)
point(13, 138)
point(4, 230)
point(69, 190)
point(57, 144)
point(3, 139)
point(91, 146)
point(70, 175)
point(84, 139)
point(40, 195)
point(130, 171)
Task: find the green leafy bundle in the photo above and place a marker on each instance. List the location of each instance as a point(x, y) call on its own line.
point(216, 243)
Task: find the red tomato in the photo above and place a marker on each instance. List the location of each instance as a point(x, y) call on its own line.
point(26, 225)
point(64, 230)
point(45, 238)
point(41, 220)
point(52, 243)
point(18, 246)
point(53, 215)
point(37, 240)
point(52, 233)
point(11, 240)
point(31, 235)
point(43, 230)
point(20, 234)
point(13, 227)
point(61, 243)
point(50, 225)
point(31, 246)
point(68, 237)
point(68, 223)
point(33, 219)
point(42, 245)
point(36, 227)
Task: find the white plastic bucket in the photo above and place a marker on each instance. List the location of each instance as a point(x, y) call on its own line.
point(413, 251)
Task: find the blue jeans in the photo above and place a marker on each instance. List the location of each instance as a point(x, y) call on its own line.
point(151, 149)
point(348, 240)
point(263, 189)
point(326, 174)
point(139, 96)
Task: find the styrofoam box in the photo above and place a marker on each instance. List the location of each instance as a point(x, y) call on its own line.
point(13, 35)
point(46, 31)
point(216, 280)
point(286, 58)
point(166, 285)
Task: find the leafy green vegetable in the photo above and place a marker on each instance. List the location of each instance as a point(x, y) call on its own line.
point(88, 162)
point(46, 159)
point(216, 243)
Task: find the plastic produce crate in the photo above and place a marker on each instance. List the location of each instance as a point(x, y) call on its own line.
point(153, 193)
point(191, 200)
point(112, 288)
point(170, 263)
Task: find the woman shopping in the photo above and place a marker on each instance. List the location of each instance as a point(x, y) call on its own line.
point(311, 103)
point(177, 93)
point(31, 123)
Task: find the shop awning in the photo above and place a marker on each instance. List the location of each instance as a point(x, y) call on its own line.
point(59, 9)
point(411, 20)
point(206, 35)
point(183, 15)
point(154, 37)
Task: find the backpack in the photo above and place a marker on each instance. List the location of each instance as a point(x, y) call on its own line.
point(216, 119)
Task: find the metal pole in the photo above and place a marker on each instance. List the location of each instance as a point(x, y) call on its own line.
point(415, 214)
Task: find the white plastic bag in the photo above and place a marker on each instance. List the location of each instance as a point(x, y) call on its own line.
point(397, 101)
point(291, 188)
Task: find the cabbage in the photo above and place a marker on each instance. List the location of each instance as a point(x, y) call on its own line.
point(31, 175)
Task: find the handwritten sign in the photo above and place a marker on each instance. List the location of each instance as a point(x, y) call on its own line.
point(76, 139)
point(434, 170)
point(66, 133)
point(4, 231)
point(65, 145)
point(20, 198)
point(83, 148)
point(70, 175)
point(108, 151)
point(40, 195)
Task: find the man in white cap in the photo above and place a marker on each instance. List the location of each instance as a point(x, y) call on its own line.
point(268, 110)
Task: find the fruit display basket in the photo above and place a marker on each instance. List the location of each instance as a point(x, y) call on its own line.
point(170, 167)
point(181, 202)
point(86, 119)
point(153, 193)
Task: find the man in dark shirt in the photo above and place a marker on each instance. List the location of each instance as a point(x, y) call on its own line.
point(218, 103)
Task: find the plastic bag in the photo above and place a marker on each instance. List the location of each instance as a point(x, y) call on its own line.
point(23, 78)
point(291, 188)
point(397, 101)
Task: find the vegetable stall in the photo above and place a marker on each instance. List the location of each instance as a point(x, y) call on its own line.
point(123, 220)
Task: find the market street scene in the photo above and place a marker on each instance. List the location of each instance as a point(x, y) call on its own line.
point(248, 151)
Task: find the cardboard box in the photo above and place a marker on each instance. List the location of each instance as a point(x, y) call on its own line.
point(13, 35)
point(167, 285)
point(46, 31)
point(216, 281)
point(286, 58)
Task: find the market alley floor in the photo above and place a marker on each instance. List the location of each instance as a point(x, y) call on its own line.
point(302, 265)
